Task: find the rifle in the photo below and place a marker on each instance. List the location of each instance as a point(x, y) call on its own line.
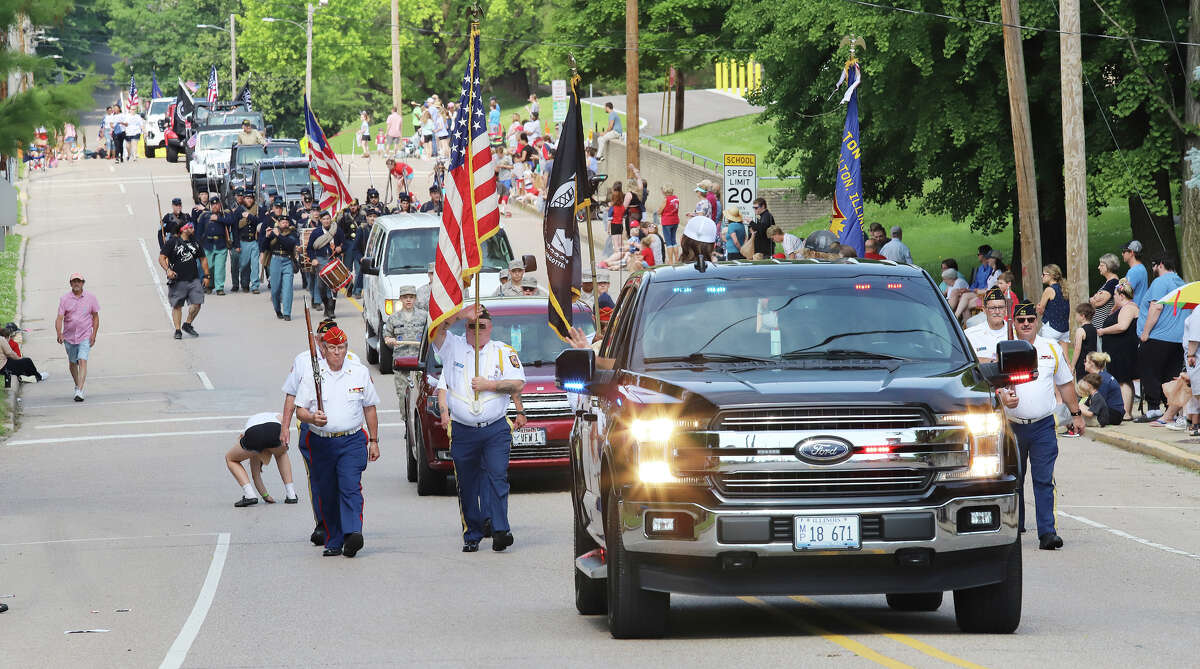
point(312, 353)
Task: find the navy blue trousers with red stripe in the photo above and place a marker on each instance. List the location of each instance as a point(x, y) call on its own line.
point(337, 467)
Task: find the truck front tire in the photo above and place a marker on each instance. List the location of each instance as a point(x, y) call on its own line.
point(996, 608)
point(633, 613)
point(172, 153)
point(429, 482)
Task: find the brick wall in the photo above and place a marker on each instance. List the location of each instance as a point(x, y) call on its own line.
point(788, 206)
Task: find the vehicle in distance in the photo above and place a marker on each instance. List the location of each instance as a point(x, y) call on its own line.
point(156, 121)
point(791, 427)
point(520, 322)
point(243, 157)
point(207, 163)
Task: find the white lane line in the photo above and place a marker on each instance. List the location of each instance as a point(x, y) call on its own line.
point(153, 269)
point(76, 541)
point(191, 627)
point(138, 376)
point(129, 209)
point(89, 242)
point(205, 380)
point(31, 407)
point(122, 186)
point(1126, 535)
point(188, 419)
point(137, 435)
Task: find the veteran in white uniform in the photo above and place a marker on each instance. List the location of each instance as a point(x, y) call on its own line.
point(984, 336)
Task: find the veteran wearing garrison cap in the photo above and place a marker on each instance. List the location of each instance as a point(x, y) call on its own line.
point(984, 336)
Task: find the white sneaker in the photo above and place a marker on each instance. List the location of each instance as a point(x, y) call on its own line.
point(45, 375)
point(78, 395)
point(1179, 424)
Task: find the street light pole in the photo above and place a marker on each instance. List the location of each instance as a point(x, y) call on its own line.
point(232, 58)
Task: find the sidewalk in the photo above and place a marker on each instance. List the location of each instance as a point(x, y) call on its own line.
point(1174, 446)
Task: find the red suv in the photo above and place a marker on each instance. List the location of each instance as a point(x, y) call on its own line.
point(520, 322)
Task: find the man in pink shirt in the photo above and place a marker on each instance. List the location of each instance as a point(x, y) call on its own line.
point(77, 324)
point(395, 129)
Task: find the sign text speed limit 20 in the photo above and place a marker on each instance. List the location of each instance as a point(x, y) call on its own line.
point(741, 183)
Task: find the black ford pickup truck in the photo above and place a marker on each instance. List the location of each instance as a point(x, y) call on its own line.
point(792, 427)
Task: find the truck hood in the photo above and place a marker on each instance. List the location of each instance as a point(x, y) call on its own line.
point(942, 387)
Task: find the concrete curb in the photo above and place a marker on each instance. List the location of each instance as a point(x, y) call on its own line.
point(1151, 447)
point(14, 394)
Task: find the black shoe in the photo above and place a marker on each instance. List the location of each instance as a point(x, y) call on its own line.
point(187, 327)
point(178, 334)
point(353, 543)
point(255, 291)
point(318, 536)
point(233, 290)
point(287, 318)
point(487, 529)
point(291, 500)
point(501, 539)
point(331, 551)
point(3, 608)
point(279, 315)
point(246, 501)
point(470, 546)
point(1049, 542)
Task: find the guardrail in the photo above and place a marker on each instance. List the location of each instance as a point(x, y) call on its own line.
point(695, 158)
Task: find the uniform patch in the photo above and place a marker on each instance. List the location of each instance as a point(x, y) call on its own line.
point(358, 389)
point(513, 359)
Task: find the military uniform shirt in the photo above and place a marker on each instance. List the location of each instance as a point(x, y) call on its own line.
point(406, 325)
point(984, 339)
point(1036, 398)
point(497, 361)
point(423, 294)
point(345, 393)
point(508, 290)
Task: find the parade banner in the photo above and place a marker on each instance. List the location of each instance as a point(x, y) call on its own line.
point(848, 195)
point(569, 190)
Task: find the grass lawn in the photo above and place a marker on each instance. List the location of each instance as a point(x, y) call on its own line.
point(8, 304)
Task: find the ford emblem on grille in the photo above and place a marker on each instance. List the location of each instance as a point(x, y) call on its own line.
point(823, 450)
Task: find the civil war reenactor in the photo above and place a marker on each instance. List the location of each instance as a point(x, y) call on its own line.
point(179, 258)
point(339, 446)
point(426, 291)
point(324, 243)
point(360, 244)
point(199, 208)
point(279, 242)
point(267, 222)
point(480, 436)
point(1029, 408)
point(373, 200)
point(216, 242)
point(303, 214)
point(404, 204)
point(246, 222)
point(350, 223)
point(516, 272)
point(171, 222)
point(402, 332)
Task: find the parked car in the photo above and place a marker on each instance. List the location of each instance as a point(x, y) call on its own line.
point(207, 163)
point(522, 323)
point(242, 158)
point(398, 253)
point(156, 122)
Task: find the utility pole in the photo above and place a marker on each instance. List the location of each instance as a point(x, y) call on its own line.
point(1018, 110)
point(232, 58)
point(631, 84)
point(1189, 248)
point(397, 87)
point(1074, 151)
point(308, 55)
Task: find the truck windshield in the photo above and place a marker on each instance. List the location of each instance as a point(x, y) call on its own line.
point(529, 334)
point(215, 140)
point(284, 177)
point(786, 318)
point(234, 118)
point(410, 251)
point(159, 107)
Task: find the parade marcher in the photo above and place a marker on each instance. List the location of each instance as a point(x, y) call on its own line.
point(302, 214)
point(200, 207)
point(351, 224)
point(250, 135)
point(434, 204)
point(587, 286)
point(280, 242)
point(374, 201)
point(480, 436)
point(340, 448)
point(1029, 408)
point(77, 325)
point(246, 222)
point(516, 273)
point(404, 204)
point(302, 366)
point(530, 288)
point(360, 247)
point(985, 335)
point(323, 244)
point(184, 283)
point(259, 442)
point(217, 241)
point(424, 292)
point(402, 332)
point(171, 222)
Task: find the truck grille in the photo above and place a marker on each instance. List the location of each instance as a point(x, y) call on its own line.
point(550, 450)
point(544, 405)
point(858, 482)
point(784, 527)
point(820, 418)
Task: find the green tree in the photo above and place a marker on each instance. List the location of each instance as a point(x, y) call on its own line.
point(161, 36)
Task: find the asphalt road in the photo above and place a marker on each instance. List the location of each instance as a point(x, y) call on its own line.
point(123, 502)
point(701, 106)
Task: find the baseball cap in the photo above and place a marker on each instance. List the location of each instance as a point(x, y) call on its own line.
point(408, 290)
point(1134, 246)
point(74, 276)
point(529, 281)
point(516, 263)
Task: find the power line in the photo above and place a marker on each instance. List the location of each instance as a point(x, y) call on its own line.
point(987, 22)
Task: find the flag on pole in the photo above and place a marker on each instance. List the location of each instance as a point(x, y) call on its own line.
point(212, 86)
point(244, 96)
point(470, 214)
point(570, 190)
point(135, 102)
point(155, 91)
point(324, 165)
point(848, 194)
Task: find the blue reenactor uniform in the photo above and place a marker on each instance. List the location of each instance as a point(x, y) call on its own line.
point(216, 241)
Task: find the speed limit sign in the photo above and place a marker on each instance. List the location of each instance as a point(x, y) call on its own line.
point(741, 183)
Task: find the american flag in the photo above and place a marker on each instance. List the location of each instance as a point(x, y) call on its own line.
point(212, 85)
point(134, 102)
point(324, 165)
point(470, 214)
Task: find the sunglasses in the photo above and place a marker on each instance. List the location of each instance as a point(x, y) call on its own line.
point(478, 326)
point(1026, 319)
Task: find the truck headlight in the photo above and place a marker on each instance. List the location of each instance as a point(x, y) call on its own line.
point(656, 430)
point(987, 456)
point(651, 437)
point(388, 307)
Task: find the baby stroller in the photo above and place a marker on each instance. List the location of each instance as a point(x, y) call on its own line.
point(409, 147)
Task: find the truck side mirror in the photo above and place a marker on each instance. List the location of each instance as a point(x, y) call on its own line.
point(574, 369)
point(368, 266)
point(530, 262)
point(1016, 362)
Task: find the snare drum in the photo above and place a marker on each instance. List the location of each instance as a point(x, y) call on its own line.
point(335, 275)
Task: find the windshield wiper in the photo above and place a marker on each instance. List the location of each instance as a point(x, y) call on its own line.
point(702, 357)
point(840, 354)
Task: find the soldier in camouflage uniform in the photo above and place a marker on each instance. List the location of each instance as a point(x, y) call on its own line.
point(424, 292)
point(406, 324)
point(516, 270)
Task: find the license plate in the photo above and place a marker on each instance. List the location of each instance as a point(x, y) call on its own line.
point(529, 436)
point(826, 533)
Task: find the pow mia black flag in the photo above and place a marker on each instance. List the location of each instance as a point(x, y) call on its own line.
point(184, 106)
point(567, 202)
point(244, 96)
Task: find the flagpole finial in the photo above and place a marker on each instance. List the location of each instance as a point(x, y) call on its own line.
point(476, 12)
point(854, 42)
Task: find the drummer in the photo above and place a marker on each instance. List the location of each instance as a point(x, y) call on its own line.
point(324, 244)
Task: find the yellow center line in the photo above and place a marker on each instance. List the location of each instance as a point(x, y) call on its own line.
point(846, 642)
point(894, 636)
point(355, 303)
